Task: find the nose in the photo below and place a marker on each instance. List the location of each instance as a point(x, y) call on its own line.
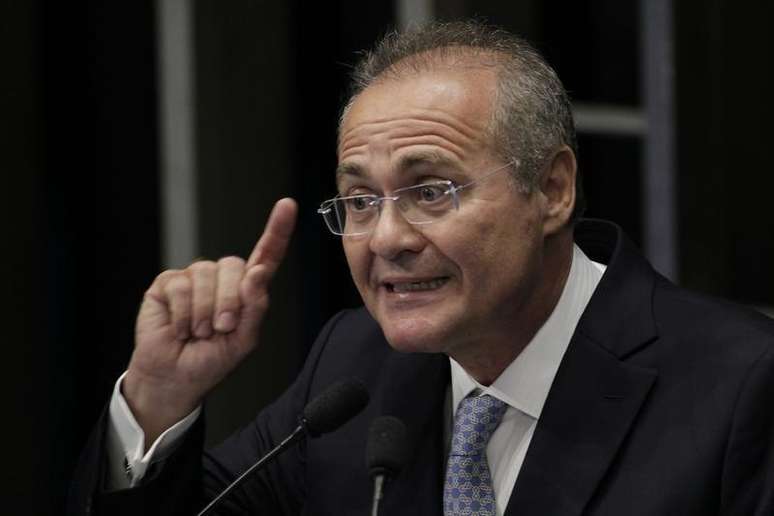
point(393, 235)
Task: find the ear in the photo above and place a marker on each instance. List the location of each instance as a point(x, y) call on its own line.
point(558, 188)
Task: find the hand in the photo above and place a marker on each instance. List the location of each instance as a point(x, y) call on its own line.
point(196, 325)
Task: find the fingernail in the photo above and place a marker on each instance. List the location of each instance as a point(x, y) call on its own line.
point(203, 329)
point(226, 321)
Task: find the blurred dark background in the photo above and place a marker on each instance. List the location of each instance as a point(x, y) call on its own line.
point(85, 162)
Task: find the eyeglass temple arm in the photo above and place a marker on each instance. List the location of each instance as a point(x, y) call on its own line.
point(513, 162)
point(453, 189)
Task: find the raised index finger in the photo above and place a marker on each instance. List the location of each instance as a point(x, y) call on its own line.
point(271, 247)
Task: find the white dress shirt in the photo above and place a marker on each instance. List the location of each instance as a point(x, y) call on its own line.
point(524, 386)
point(125, 441)
point(525, 383)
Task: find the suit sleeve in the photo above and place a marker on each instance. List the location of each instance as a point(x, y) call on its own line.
point(748, 476)
point(190, 477)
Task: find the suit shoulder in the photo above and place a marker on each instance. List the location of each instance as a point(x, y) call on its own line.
point(353, 324)
point(351, 342)
point(710, 322)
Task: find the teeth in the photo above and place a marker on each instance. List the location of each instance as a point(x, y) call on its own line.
point(418, 285)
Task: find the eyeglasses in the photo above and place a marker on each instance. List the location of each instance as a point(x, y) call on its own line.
point(420, 204)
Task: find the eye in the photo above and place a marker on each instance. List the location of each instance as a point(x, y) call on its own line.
point(430, 193)
point(360, 203)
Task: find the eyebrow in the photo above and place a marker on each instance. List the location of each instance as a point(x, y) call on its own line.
point(348, 169)
point(406, 162)
point(428, 157)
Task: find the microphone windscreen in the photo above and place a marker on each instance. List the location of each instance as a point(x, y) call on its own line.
point(334, 406)
point(386, 450)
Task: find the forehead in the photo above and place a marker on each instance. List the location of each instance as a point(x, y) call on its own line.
point(450, 102)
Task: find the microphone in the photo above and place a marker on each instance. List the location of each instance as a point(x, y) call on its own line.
point(328, 411)
point(386, 453)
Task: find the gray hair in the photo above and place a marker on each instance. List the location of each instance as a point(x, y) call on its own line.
point(531, 115)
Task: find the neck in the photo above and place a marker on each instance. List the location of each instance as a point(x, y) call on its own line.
point(488, 358)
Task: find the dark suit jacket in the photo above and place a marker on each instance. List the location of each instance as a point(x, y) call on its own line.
point(662, 405)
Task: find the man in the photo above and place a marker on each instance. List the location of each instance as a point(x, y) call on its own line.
point(600, 388)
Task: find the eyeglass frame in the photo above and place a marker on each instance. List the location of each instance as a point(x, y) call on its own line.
point(377, 201)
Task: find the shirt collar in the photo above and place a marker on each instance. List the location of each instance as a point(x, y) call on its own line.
point(525, 383)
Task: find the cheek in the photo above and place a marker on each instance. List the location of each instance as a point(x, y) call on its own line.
point(504, 250)
point(472, 249)
point(357, 260)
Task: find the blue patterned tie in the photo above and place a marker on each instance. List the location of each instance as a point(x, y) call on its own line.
point(468, 487)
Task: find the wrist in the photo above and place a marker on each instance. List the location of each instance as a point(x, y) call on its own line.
point(156, 406)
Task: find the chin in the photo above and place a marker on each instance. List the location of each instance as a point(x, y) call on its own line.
point(413, 336)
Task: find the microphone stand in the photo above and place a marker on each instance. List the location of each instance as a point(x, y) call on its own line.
point(327, 412)
point(378, 491)
point(297, 435)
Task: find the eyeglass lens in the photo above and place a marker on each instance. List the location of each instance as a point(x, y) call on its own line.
point(419, 204)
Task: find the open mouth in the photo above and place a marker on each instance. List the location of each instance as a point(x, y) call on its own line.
point(416, 286)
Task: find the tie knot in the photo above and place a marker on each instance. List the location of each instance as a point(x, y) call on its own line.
point(476, 420)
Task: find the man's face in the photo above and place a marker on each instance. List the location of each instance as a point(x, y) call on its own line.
point(471, 276)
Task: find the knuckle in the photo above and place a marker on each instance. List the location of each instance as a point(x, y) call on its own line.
point(203, 267)
point(231, 262)
point(164, 276)
point(179, 287)
point(152, 295)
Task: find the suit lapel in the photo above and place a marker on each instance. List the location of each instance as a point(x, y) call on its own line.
point(416, 395)
point(597, 394)
point(591, 406)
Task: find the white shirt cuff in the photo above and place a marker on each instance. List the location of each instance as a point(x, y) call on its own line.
point(127, 464)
